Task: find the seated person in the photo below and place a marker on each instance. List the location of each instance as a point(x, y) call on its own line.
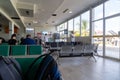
point(3, 40)
point(22, 41)
point(28, 40)
point(13, 40)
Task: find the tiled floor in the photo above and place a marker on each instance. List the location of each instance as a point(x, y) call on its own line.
point(82, 68)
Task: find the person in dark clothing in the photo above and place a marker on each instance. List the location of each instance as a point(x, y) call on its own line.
point(72, 37)
point(2, 40)
point(22, 41)
point(28, 40)
point(13, 40)
point(38, 39)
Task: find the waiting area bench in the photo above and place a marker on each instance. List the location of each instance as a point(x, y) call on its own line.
point(20, 50)
point(79, 50)
point(24, 54)
point(65, 49)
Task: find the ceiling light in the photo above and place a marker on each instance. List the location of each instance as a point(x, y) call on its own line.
point(35, 21)
point(30, 29)
point(29, 23)
point(70, 12)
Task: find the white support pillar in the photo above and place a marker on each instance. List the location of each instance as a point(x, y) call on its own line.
point(11, 29)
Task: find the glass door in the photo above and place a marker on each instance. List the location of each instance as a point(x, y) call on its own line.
point(112, 40)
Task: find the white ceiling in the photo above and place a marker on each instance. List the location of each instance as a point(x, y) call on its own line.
point(3, 20)
point(76, 6)
point(8, 9)
point(40, 11)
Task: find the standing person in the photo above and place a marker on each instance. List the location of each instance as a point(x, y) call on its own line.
point(13, 40)
point(39, 39)
point(46, 39)
point(28, 40)
point(72, 37)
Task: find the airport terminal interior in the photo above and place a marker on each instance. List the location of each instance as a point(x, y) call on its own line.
point(82, 36)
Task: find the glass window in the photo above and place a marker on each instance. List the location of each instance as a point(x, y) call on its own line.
point(77, 26)
point(61, 27)
point(98, 28)
point(99, 41)
point(70, 26)
point(112, 39)
point(98, 12)
point(112, 47)
point(61, 34)
point(112, 26)
point(65, 25)
point(30, 30)
point(85, 20)
point(112, 7)
point(97, 35)
point(58, 28)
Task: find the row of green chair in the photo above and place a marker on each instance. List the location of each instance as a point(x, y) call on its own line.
point(7, 50)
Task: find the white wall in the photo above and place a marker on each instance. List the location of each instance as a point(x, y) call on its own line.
point(6, 35)
point(3, 34)
point(45, 28)
point(22, 31)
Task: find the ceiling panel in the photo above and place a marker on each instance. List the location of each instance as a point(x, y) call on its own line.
point(43, 10)
point(7, 7)
point(3, 20)
point(26, 12)
point(9, 10)
point(76, 6)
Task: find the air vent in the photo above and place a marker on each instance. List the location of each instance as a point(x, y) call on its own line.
point(54, 14)
point(26, 12)
point(15, 18)
point(29, 23)
point(65, 10)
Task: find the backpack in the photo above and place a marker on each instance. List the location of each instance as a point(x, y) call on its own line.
point(10, 69)
point(47, 69)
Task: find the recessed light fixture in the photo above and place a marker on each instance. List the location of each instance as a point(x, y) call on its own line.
point(53, 21)
point(70, 12)
point(29, 23)
point(35, 21)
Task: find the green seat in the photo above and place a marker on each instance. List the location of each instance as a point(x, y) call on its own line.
point(4, 50)
point(18, 50)
point(25, 67)
point(4, 44)
point(35, 50)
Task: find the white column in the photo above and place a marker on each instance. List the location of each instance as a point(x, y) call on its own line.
point(11, 29)
point(91, 25)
